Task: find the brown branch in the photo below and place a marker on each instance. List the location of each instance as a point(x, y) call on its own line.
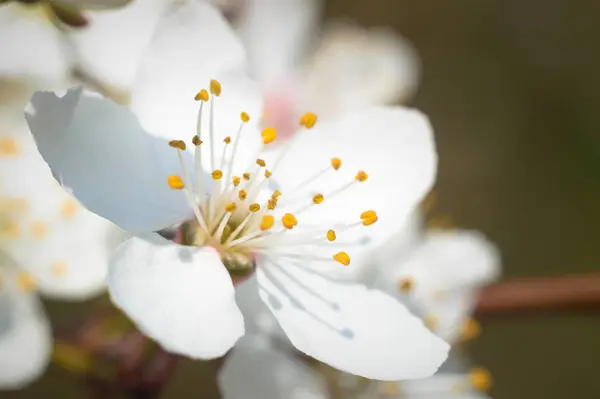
point(535, 294)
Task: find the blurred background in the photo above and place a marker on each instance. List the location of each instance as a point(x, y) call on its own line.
point(513, 91)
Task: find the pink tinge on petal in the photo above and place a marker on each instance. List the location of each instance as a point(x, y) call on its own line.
point(280, 112)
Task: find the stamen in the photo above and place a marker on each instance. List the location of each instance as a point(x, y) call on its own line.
point(245, 118)
point(261, 162)
point(242, 194)
point(331, 235)
point(217, 174)
point(336, 163)
point(268, 174)
point(215, 87)
point(175, 182)
point(480, 379)
point(267, 222)
point(179, 144)
point(269, 135)
point(253, 208)
point(246, 176)
point(202, 96)
point(230, 207)
point(308, 120)
point(318, 198)
point(361, 176)
point(236, 181)
point(368, 218)
point(342, 257)
point(289, 221)
point(405, 285)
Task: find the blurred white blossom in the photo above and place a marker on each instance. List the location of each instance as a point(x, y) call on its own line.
point(131, 166)
point(257, 369)
point(45, 53)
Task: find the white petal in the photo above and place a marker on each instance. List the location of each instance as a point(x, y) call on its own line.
point(25, 336)
point(62, 244)
point(277, 35)
point(279, 375)
point(258, 318)
point(393, 145)
point(115, 168)
point(35, 49)
point(192, 45)
point(348, 326)
point(107, 49)
point(180, 296)
point(447, 270)
point(360, 67)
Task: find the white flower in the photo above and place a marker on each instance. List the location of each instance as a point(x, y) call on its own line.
point(45, 53)
point(48, 244)
point(25, 336)
point(338, 71)
point(472, 384)
point(439, 275)
point(256, 369)
point(133, 167)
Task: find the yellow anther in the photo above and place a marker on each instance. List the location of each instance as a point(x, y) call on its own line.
point(179, 144)
point(246, 176)
point(276, 194)
point(254, 207)
point(231, 207)
point(242, 194)
point(8, 147)
point(471, 329)
point(216, 174)
point(318, 198)
point(10, 229)
point(269, 135)
point(244, 117)
point(308, 120)
point(267, 222)
point(196, 140)
point(38, 229)
point(361, 176)
point(272, 203)
point(202, 95)
point(331, 235)
point(431, 322)
point(25, 282)
point(236, 181)
point(480, 379)
point(68, 208)
point(289, 221)
point(406, 285)
point(342, 257)
point(368, 218)
point(336, 163)
point(175, 182)
point(268, 174)
point(215, 87)
point(261, 162)
point(59, 269)
point(227, 140)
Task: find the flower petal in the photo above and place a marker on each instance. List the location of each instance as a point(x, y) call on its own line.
point(35, 49)
point(280, 375)
point(25, 336)
point(348, 326)
point(277, 36)
point(49, 234)
point(107, 50)
point(116, 169)
point(180, 296)
point(446, 270)
point(192, 45)
point(360, 68)
point(393, 145)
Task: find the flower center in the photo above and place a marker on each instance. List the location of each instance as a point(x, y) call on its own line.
point(236, 214)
